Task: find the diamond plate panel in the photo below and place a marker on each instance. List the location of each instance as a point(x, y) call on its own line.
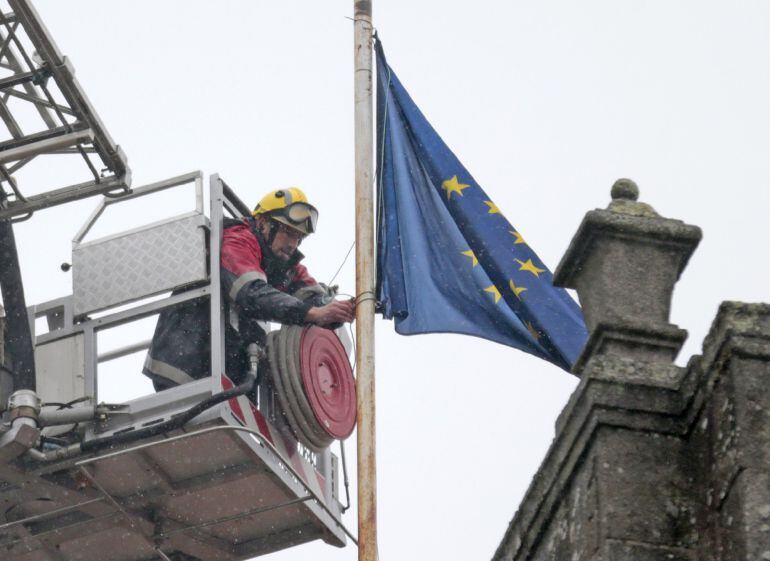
point(138, 264)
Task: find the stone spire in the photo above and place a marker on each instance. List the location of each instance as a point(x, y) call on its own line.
point(624, 262)
point(651, 461)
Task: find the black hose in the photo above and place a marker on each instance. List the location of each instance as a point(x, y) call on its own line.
point(173, 423)
point(345, 479)
point(18, 336)
point(60, 442)
point(239, 205)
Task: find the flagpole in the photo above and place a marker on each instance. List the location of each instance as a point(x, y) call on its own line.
point(367, 470)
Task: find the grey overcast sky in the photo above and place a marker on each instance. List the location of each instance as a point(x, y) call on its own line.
point(546, 103)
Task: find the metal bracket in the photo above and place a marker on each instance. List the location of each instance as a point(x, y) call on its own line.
point(66, 122)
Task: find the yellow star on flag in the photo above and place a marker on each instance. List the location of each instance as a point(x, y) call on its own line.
point(528, 265)
point(517, 290)
point(532, 331)
point(518, 237)
point(470, 254)
point(492, 207)
point(493, 290)
point(453, 186)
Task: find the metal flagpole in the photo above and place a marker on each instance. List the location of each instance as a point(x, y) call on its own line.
point(367, 471)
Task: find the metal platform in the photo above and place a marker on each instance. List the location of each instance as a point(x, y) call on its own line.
point(231, 484)
point(82, 480)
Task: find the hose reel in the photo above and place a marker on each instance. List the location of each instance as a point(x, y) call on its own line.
point(314, 383)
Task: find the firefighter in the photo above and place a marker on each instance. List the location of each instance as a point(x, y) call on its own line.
point(262, 280)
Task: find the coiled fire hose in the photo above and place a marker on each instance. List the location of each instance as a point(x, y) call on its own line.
point(314, 384)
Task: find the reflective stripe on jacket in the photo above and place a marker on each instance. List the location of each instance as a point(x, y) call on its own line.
point(254, 288)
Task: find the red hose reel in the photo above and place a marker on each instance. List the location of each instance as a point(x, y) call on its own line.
point(314, 383)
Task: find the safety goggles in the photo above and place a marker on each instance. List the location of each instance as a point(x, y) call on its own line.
point(301, 215)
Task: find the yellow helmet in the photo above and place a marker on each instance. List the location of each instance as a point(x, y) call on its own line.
point(290, 207)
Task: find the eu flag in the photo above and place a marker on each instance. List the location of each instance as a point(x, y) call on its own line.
point(448, 261)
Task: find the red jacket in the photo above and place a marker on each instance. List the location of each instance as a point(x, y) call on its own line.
point(254, 288)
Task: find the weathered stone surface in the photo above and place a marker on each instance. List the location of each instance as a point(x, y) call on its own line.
point(633, 551)
point(626, 265)
point(632, 339)
point(736, 423)
point(644, 491)
point(624, 262)
point(651, 461)
point(577, 532)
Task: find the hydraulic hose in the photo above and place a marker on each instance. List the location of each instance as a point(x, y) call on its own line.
point(172, 424)
point(239, 205)
point(148, 432)
point(19, 338)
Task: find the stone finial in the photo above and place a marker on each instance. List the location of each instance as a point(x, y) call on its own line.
point(624, 200)
point(624, 189)
point(624, 262)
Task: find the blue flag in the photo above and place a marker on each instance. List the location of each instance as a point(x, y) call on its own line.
point(448, 261)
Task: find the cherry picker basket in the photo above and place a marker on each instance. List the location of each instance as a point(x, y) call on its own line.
point(203, 470)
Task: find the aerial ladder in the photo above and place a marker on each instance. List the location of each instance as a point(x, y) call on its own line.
point(208, 470)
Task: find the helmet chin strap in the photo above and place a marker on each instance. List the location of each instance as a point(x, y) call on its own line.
point(266, 241)
point(273, 264)
point(273, 225)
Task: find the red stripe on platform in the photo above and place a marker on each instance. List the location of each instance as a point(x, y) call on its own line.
point(237, 411)
point(291, 448)
point(234, 405)
point(321, 481)
point(262, 424)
